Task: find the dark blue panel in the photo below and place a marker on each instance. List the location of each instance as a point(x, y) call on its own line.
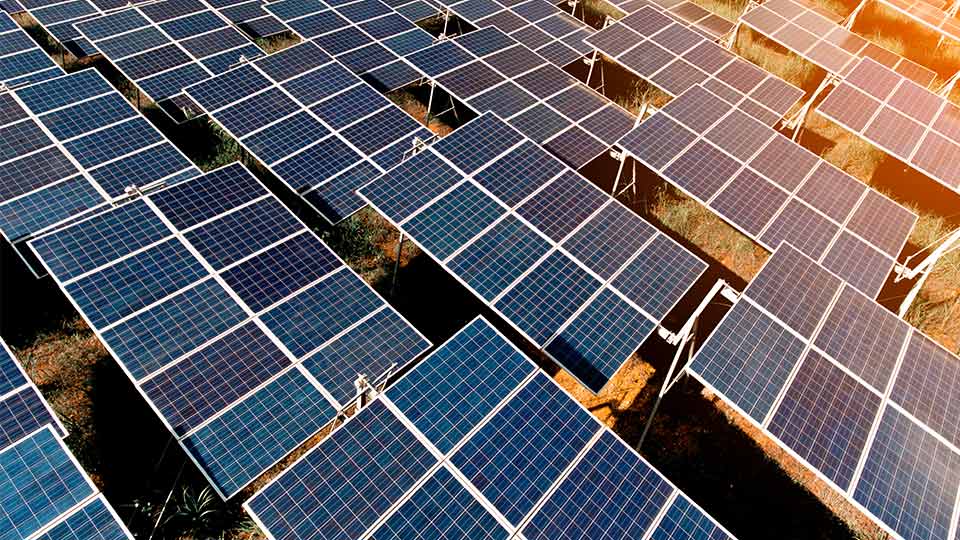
point(152, 62)
point(87, 116)
point(25, 63)
point(33, 171)
point(30, 213)
point(402, 149)
point(132, 43)
point(363, 10)
point(286, 137)
point(140, 169)
point(684, 521)
point(478, 367)
point(611, 494)
point(384, 342)
point(442, 509)
point(224, 61)
point(317, 164)
point(659, 276)
point(99, 240)
point(249, 438)
point(56, 93)
point(410, 185)
point(539, 123)
point(113, 142)
point(499, 257)
point(748, 359)
point(193, 25)
point(795, 289)
point(109, 25)
point(133, 283)
point(314, 316)
point(256, 112)
point(563, 205)
point(215, 42)
point(457, 218)
point(343, 40)
point(337, 199)
point(381, 130)
point(516, 456)
point(15, 42)
point(600, 339)
point(21, 138)
point(543, 300)
point(317, 24)
point(928, 386)
point(10, 375)
point(485, 40)
point(239, 234)
point(10, 110)
point(229, 87)
point(328, 494)
point(280, 271)
point(657, 141)
point(171, 83)
point(321, 83)
point(910, 479)
point(350, 106)
point(440, 58)
point(478, 142)
point(392, 76)
point(291, 9)
point(39, 482)
point(519, 173)
point(21, 414)
point(212, 194)
point(825, 417)
point(209, 380)
point(384, 27)
point(156, 337)
point(609, 239)
point(866, 338)
point(408, 42)
point(504, 100)
point(575, 147)
point(93, 521)
point(293, 61)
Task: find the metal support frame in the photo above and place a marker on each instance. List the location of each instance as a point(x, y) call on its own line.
point(795, 123)
point(685, 341)
point(948, 86)
point(948, 243)
point(852, 17)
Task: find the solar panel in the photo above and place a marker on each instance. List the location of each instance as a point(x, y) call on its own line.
point(899, 116)
point(771, 188)
point(65, 149)
point(234, 334)
point(499, 449)
point(847, 387)
point(319, 128)
point(22, 61)
point(929, 14)
point(675, 58)
point(809, 33)
point(166, 46)
point(96, 520)
point(541, 245)
point(250, 16)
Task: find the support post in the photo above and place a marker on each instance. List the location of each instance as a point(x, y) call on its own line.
point(948, 86)
point(396, 264)
point(593, 63)
point(923, 269)
point(848, 23)
point(796, 123)
point(616, 181)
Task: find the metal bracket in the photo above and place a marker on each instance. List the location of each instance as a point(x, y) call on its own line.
point(920, 272)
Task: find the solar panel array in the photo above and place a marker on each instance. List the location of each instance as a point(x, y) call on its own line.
point(242, 330)
point(57, 18)
point(863, 399)
point(928, 13)
point(498, 450)
point(250, 16)
point(46, 494)
point(576, 272)
point(771, 188)
point(22, 61)
point(368, 36)
point(700, 20)
point(166, 46)
point(69, 145)
point(315, 125)
point(903, 118)
point(825, 43)
point(489, 71)
point(675, 58)
point(538, 24)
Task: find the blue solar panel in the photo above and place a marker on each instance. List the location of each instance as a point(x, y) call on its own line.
point(825, 417)
point(234, 85)
point(320, 84)
point(212, 194)
point(274, 274)
point(545, 298)
point(442, 509)
point(286, 137)
point(142, 168)
point(254, 434)
point(337, 199)
point(99, 240)
point(611, 494)
point(39, 482)
point(376, 132)
point(314, 316)
point(87, 116)
point(293, 61)
point(478, 143)
point(521, 451)
point(519, 173)
point(454, 220)
point(410, 185)
point(659, 276)
point(345, 496)
point(684, 521)
point(23, 413)
point(563, 205)
point(34, 171)
point(136, 282)
point(204, 383)
point(478, 367)
point(10, 375)
point(48, 206)
point(440, 58)
point(350, 106)
point(928, 384)
point(748, 371)
point(910, 479)
point(153, 338)
point(607, 241)
point(317, 164)
point(93, 521)
point(256, 111)
point(600, 339)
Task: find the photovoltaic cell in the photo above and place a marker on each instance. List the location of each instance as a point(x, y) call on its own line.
point(454, 220)
point(93, 521)
point(659, 276)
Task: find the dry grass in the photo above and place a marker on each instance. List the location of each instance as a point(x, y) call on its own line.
point(278, 42)
point(777, 60)
point(642, 92)
point(936, 311)
point(728, 9)
point(416, 108)
point(595, 12)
